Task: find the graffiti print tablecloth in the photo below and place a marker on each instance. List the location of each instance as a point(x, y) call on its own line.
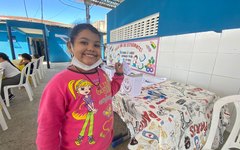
point(168, 116)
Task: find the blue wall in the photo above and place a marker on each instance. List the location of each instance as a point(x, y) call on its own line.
point(56, 46)
point(178, 16)
point(20, 44)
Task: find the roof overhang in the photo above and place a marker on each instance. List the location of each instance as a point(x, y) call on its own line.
point(31, 31)
point(65, 38)
point(104, 3)
point(5, 19)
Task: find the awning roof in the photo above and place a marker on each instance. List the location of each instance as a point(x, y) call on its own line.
point(31, 31)
point(4, 19)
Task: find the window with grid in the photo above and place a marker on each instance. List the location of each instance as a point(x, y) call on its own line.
point(144, 27)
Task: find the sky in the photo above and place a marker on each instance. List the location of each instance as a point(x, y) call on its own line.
point(53, 10)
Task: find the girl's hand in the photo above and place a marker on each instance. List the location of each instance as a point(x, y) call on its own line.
point(94, 110)
point(119, 68)
point(21, 62)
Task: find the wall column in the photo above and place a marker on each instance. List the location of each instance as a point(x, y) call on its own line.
point(11, 41)
point(46, 46)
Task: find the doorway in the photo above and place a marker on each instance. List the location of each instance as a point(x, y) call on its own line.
point(37, 46)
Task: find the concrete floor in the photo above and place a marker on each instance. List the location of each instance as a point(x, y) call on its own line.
point(21, 132)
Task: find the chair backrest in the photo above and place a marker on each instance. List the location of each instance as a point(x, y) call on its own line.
point(38, 62)
point(41, 61)
point(233, 140)
point(25, 73)
point(35, 66)
point(1, 76)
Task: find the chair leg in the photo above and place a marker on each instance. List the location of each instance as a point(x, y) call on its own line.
point(34, 81)
point(3, 121)
point(37, 78)
point(30, 88)
point(5, 89)
point(212, 133)
point(5, 108)
point(231, 141)
point(29, 91)
point(40, 74)
point(42, 71)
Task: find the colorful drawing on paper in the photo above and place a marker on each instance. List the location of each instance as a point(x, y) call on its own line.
point(140, 55)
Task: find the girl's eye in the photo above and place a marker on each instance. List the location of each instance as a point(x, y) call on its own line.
point(82, 88)
point(97, 45)
point(89, 89)
point(84, 43)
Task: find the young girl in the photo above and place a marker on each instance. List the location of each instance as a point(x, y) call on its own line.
point(75, 111)
point(26, 58)
point(10, 72)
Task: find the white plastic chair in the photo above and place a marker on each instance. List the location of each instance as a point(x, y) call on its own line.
point(3, 106)
point(34, 75)
point(24, 82)
point(233, 140)
point(40, 69)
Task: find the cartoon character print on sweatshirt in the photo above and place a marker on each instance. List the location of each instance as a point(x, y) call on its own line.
point(83, 89)
point(107, 124)
point(105, 87)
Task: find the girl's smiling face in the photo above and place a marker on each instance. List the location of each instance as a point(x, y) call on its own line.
point(86, 47)
point(1, 59)
point(84, 90)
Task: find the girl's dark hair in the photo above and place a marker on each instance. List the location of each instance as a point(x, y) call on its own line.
point(27, 56)
point(5, 57)
point(79, 28)
point(36, 56)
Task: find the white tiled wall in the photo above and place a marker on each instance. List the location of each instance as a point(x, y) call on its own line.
point(165, 71)
point(227, 65)
point(179, 75)
point(199, 79)
point(184, 43)
point(207, 59)
point(203, 62)
point(207, 42)
point(165, 59)
point(230, 41)
point(168, 44)
point(224, 85)
point(182, 60)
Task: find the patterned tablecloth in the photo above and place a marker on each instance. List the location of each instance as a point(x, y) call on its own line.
point(168, 116)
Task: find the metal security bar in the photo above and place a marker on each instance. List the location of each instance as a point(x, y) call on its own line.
point(104, 3)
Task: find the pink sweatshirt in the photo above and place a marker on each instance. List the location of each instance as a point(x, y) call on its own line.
point(75, 111)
